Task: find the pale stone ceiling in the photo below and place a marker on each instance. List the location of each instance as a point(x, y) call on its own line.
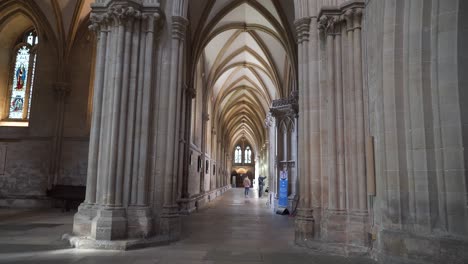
point(247, 59)
point(247, 54)
point(65, 17)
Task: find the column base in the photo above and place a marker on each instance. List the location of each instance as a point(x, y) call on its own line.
point(82, 242)
point(304, 226)
point(358, 231)
point(401, 246)
point(292, 203)
point(140, 222)
point(109, 224)
point(83, 219)
point(170, 224)
point(334, 226)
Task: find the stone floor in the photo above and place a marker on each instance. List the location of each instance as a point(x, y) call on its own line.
point(232, 229)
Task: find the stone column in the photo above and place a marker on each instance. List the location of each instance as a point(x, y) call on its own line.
point(339, 103)
point(304, 224)
point(116, 205)
point(271, 127)
point(191, 94)
point(327, 29)
point(359, 99)
point(358, 218)
point(335, 217)
point(61, 90)
point(170, 220)
point(351, 169)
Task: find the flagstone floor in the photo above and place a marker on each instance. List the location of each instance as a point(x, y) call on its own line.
point(232, 229)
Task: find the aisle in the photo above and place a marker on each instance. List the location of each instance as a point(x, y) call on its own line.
point(231, 229)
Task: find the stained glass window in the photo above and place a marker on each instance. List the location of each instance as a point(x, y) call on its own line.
point(248, 155)
point(23, 77)
point(238, 155)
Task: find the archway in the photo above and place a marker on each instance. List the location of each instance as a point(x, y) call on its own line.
point(242, 59)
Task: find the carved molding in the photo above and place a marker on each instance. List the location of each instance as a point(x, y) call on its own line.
point(285, 106)
point(330, 24)
point(119, 13)
point(269, 120)
point(179, 27)
point(302, 29)
point(350, 13)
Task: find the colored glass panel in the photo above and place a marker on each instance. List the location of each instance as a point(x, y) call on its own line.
point(248, 155)
point(20, 78)
point(238, 155)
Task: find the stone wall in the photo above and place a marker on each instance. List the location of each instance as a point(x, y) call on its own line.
point(27, 152)
point(416, 98)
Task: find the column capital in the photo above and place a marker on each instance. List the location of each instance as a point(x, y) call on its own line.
point(302, 29)
point(269, 120)
point(352, 13)
point(330, 24)
point(179, 27)
point(119, 13)
point(285, 107)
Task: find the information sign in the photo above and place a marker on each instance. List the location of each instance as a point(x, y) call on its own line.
point(283, 190)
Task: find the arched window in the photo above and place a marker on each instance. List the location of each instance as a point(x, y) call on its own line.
point(248, 155)
point(238, 155)
point(22, 77)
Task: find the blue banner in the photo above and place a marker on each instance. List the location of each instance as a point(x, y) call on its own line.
point(283, 190)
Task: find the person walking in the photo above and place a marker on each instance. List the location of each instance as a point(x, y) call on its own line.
point(246, 186)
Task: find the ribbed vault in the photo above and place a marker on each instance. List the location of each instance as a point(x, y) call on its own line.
point(246, 51)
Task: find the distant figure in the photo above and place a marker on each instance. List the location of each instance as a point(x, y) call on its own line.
point(261, 183)
point(246, 186)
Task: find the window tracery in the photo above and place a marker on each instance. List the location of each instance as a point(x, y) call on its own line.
point(238, 155)
point(248, 155)
point(22, 77)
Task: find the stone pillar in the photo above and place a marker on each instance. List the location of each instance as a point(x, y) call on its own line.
point(61, 90)
point(116, 205)
point(335, 215)
point(359, 99)
point(170, 220)
point(304, 224)
point(191, 94)
point(358, 218)
point(271, 127)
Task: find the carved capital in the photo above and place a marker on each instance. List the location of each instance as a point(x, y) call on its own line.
point(357, 17)
point(269, 120)
point(352, 13)
point(179, 27)
point(121, 13)
point(302, 29)
point(285, 107)
point(329, 24)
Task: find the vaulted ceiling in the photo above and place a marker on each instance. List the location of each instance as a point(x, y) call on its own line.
point(247, 49)
point(65, 17)
point(58, 20)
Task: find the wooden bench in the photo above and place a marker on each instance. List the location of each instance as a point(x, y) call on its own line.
point(71, 196)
